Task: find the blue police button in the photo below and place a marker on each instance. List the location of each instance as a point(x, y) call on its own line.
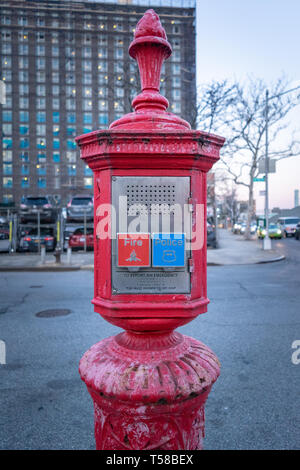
point(168, 250)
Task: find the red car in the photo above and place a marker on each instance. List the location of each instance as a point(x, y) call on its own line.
point(77, 239)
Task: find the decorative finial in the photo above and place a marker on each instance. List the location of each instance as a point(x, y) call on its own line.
point(150, 48)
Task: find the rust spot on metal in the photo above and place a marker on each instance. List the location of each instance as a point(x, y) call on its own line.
point(162, 401)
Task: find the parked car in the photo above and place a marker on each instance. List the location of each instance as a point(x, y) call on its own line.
point(288, 225)
point(77, 239)
point(237, 228)
point(297, 232)
point(274, 231)
point(4, 236)
point(45, 205)
point(78, 206)
point(211, 235)
point(30, 241)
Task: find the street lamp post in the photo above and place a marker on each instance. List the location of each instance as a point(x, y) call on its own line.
point(267, 245)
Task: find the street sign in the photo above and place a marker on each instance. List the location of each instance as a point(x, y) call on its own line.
point(168, 250)
point(259, 179)
point(133, 249)
point(262, 166)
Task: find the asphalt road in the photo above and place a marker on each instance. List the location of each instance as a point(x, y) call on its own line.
point(251, 324)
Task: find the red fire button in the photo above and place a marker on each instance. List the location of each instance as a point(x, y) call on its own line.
point(133, 249)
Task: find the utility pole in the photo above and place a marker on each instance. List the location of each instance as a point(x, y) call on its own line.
point(267, 245)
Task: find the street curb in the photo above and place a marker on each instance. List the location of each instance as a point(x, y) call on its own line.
point(38, 268)
point(272, 260)
point(90, 267)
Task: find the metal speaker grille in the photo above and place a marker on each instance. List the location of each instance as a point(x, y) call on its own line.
point(140, 197)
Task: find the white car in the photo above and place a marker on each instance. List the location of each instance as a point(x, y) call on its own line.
point(288, 225)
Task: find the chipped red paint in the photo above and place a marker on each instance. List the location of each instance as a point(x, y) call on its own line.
point(149, 384)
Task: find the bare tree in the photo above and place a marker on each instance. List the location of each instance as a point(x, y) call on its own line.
point(237, 112)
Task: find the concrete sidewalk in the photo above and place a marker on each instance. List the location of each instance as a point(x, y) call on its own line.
point(233, 250)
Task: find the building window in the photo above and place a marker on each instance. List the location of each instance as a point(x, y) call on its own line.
point(70, 104)
point(23, 49)
point(71, 131)
point(23, 76)
point(40, 49)
point(87, 65)
point(55, 51)
point(71, 144)
point(40, 103)
point(23, 62)
point(55, 77)
point(56, 143)
point(102, 52)
point(87, 51)
point(25, 182)
point(71, 118)
point(7, 182)
point(7, 199)
point(6, 48)
point(55, 103)
point(7, 169)
point(70, 78)
point(24, 157)
point(24, 116)
point(40, 143)
point(5, 20)
point(40, 63)
point(41, 158)
point(24, 143)
point(7, 142)
point(40, 21)
point(71, 170)
point(41, 129)
point(88, 182)
point(55, 64)
point(88, 171)
point(6, 35)
point(87, 118)
point(23, 130)
point(7, 156)
point(55, 116)
point(6, 129)
point(42, 182)
point(71, 157)
point(55, 89)
point(103, 105)
point(56, 157)
point(25, 169)
point(6, 62)
point(40, 36)
point(54, 38)
point(41, 76)
point(41, 90)
point(7, 116)
point(41, 170)
point(23, 89)
point(22, 21)
point(41, 117)
point(56, 130)
point(23, 35)
point(87, 105)
point(6, 75)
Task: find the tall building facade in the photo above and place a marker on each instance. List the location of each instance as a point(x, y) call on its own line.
point(66, 70)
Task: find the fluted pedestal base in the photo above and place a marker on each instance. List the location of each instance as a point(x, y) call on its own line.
point(149, 390)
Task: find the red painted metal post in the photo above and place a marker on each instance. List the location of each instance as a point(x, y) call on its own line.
point(149, 384)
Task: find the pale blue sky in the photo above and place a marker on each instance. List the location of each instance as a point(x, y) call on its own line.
point(261, 38)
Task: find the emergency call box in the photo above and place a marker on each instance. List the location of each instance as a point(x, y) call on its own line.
point(149, 252)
